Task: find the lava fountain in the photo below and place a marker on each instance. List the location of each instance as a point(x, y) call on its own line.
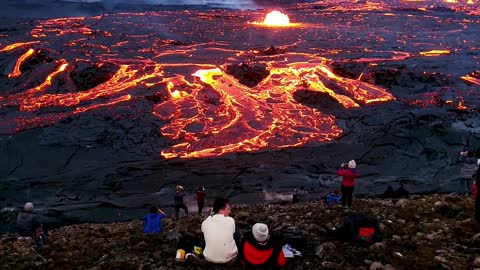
point(276, 19)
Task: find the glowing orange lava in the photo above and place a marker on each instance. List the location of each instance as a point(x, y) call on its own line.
point(435, 53)
point(251, 119)
point(186, 86)
point(276, 19)
point(16, 45)
point(16, 70)
point(471, 79)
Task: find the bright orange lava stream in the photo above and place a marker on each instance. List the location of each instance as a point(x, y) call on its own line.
point(251, 119)
point(16, 45)
point(435, 52)
point(16, 70)
point(471, 79)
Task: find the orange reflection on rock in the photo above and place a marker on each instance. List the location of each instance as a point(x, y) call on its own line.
point(16, 70)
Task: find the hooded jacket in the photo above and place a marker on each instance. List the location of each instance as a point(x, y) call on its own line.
point(254, 254)
point(349, 176)
point(26, 224)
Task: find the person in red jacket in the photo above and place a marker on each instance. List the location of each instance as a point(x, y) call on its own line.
point(348, 182)
point(476, 155)
point(259, 249)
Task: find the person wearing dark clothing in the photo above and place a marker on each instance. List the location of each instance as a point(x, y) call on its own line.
point(389, 193)
point(295, 196)
point(152, 221)
point(402, 192)
point(348, 182)
point(27, 221)
point(178, 201)
point(467, 173)
point(261, 250)
point(201, 199)
point(399, 193)
point(476, 155)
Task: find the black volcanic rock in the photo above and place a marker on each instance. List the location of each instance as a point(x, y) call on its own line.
point(39, 57)
point(246, 74)
point(86, 76)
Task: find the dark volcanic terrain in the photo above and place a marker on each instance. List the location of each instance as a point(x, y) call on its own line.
point(421, 232)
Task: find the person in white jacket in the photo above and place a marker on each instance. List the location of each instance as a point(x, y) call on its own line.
point(218, 231)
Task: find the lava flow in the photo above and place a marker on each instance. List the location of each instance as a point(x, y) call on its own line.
point(205, 80)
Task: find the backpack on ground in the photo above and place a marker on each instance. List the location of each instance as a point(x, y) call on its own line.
point(296, 239)
point(332, 198)
point(360, 228)
point(40, 237)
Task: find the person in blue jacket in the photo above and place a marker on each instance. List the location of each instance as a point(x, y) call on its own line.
point(152, 222)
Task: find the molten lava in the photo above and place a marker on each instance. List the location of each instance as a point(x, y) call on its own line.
point(16, 70)
point(198, 109)
point(276, 18)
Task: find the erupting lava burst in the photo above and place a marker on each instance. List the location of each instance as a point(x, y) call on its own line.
point(85, 67)
point(276, 18)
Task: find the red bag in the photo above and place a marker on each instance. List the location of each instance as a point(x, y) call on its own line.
point(365, 234)
point(475, 190)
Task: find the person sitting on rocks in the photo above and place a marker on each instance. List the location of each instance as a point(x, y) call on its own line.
point(399, 193)
point(348, 181)
point(27, 222)
point(388, 193)
point(402, 192)
point(178, 201)
point(259, 249)
point(152, 222)
point(475, 154)
point(333, 197)
point(218, 230)
point(201, 198)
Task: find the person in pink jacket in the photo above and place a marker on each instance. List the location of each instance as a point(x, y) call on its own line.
point(348, 182)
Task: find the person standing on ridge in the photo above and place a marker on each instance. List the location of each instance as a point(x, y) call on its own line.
point(348, 182)
point(467, 172)
point(201, 199)
point(476, 155)
point(178, 201)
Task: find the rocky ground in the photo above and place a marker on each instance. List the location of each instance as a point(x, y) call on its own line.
point(421, 232)
point(98, 159)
